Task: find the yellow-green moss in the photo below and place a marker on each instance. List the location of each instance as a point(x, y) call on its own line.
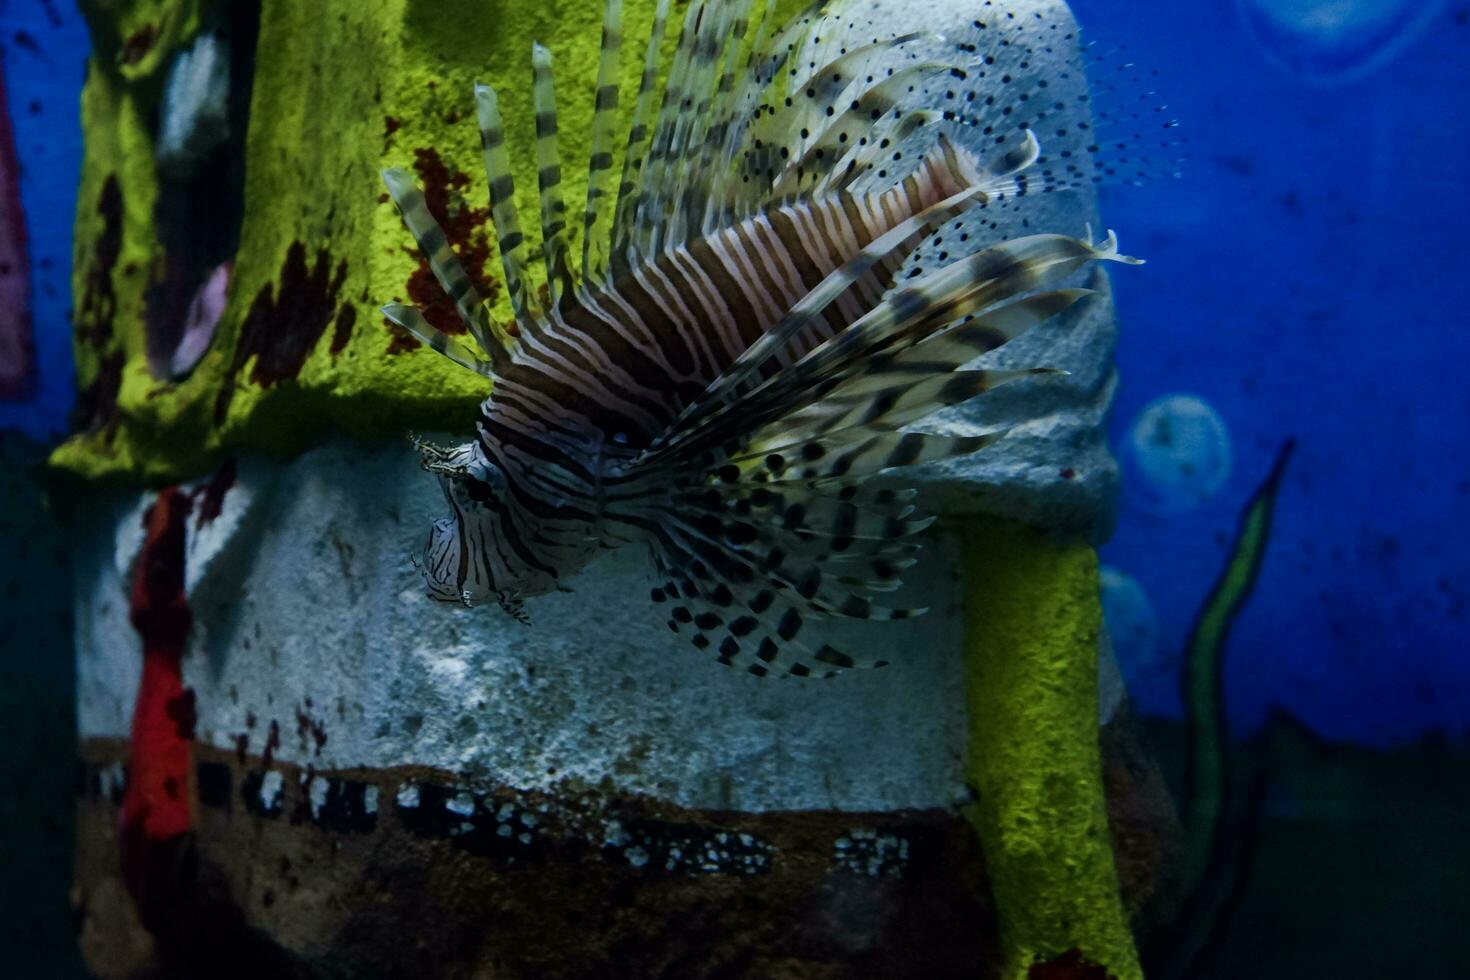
point(342, 89)
point(1032, 622)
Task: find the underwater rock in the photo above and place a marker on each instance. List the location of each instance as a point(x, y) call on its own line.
point(199, 208)
point(1177, 454)
point(1053, 468)
point(372, 764)
point(1335, 40)
point(1132, 624)
point(194, 117)
point(310, 593)
point(337, 712)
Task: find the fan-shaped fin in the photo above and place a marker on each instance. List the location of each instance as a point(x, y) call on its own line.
point(857, 452)
point(548, 179)
point(746, 369)
point(977, 335)
point(909, 314)
point(908, 395)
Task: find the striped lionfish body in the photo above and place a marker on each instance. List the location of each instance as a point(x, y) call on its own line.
point(739, 353)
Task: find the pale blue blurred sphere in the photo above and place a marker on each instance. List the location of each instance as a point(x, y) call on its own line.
point(1177, 454)
point(1132, 624)
point(1335, 40)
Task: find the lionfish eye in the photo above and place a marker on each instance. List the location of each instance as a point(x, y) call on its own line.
point(478, 490)
point(487, 473)
point(481, 481)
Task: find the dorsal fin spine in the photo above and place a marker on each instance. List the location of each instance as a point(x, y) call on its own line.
point(625, 253)
point(510, 240)
point(548, 179)
point(596, 222)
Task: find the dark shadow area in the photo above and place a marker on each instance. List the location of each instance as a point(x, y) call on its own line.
point(1357, 859)
point(201, 197)
point(37, 723)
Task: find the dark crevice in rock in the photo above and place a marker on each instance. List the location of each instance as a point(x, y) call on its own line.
point(96, 406)
point(98, 301)
point(210, 497)
point(200, 148)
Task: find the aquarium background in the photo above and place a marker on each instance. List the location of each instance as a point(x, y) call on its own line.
point(1305, 283)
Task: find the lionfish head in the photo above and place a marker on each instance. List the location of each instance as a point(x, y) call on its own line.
point(459, 558)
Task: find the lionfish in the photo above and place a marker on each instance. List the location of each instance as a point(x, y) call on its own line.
point(755, 327)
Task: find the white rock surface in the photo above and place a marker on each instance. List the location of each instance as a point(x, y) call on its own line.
point(310, 614)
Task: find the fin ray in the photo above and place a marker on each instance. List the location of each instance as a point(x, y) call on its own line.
point(413, 321)
point(548, 179)
point(596, 229)
point(511, 242)
point(441, 258)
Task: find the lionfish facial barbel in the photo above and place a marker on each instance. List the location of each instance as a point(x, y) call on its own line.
point(739, 354)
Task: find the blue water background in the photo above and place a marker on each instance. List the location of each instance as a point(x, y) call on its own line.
point(1306, 277)
point(45, 49)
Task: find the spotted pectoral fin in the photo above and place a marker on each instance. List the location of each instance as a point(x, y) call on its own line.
point(747, 569)
point(763, 645)
point(798, 563)
point(514, 607)
point(757, 631)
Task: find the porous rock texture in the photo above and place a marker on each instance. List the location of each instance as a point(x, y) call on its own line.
point(307, 605)
point(381, 785)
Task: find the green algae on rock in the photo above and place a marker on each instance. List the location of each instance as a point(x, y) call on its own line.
point(1033, 616)
point(339, 91)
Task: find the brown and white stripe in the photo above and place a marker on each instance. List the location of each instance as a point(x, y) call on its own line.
point(736, 356)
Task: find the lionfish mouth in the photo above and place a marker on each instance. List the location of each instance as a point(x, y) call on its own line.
point(440, 562)
point(795, 267)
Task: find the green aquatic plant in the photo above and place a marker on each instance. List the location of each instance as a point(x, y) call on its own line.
point(1217, 797)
